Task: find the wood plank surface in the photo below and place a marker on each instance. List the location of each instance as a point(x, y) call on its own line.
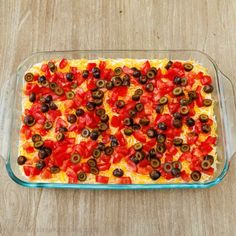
point(31, 26)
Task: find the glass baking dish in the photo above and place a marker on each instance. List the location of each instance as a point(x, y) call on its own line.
point(11, 108)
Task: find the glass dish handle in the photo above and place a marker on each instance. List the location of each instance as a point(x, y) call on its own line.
point(229, 112)
point(6, 99)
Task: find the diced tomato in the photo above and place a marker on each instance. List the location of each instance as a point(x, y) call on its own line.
point(31, 171)
point(143, 163)
point(60, 123)
point(139, 136)
point(46, 174)
point(147, 146)
point(91, 84)
point(199, 100)
point(173, 107)
point(205, 148)
point(168, 157)
point(63, 63)
point(145, 68)
point(206, 80)
point(29, 149)
point(210, 140)
point(127, 70)
point(122, 141)
point(117, 157)
point(90, 66)
point(85, 167)
point(120, 91)
point(192, 138)
point(26, 131)
point(131, 166)
point(104, 166)
point(102, 65)
point(210, 171)
point(44, 67)
point(185, 176)
point(116, 121)
point(124, 180)
point(102, 179)
point(72, 175)
point(185, 157)
point(32, 88)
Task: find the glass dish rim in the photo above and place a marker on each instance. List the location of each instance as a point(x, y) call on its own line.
point(120, 186)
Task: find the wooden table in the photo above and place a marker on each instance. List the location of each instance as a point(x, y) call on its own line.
point(31, 26)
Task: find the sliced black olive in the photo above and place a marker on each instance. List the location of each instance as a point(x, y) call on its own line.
point(94, 170)
point(40, 164)
point(209, 158)
point(98, 94)
point(134, 159)
point(109, 151)
point(60, 137)
point(32, 97)
point(159, 109)
point(135, 97)
point(138, 92)
point(149, 87)
point(155, 162)
point(101, 146)
point(44, 152)
point(29, 77)
point(36, 138)
point(190, 122)
point(29, 120)
point(139, 107)
point(48, 125)
point(74, 85)
point(138, 146)
point(162, 126)
point(120, 103)
point(48, 98)
point(206, 128)
point(38, 144)
point(177, 164)
point(184, 110)
point(163, 100)
point(58, 91)
point(203, 118)
point(85, 74)
point(177, 115)
point(140, 155)
point(168, 65)
point(136, 72)
point(97, 152)
point(104, 118)
point(185, 148)
point(128, 121)
point(177, 91)
point(21, 160)
point(100, 112)
point(102, 126)
point(161, 138)
point(161, 148)
point(151, 74)
point(94, 135)
point(63, 129)
point(71, 118)
point(177, 123)
point(126, 80)
point(44, 108)
point(98, 102)
point(118, 71)
point(176, 172)
point(188, 67)
point(70, 95)
point(96, 72)
point(205, 164)
point(184, 101)
point(154, 69)
point(144, 121)
point(100, 83)
point(53, 106)
point(177, 80)
point(151, 133)
point(69, 77)
point(53, 86)
point(82, 176)
point(75, 158)
point(155, 174)
point(118, 172)
point(142, 79)
point(208, 88)
point(90, 106)
point(167, 167)
point(132, 113)
point(85, 133)
point(109, 85)
point(207, 102)
point(52, 67)
point(177, 141)
point(192, 95)
point(152, 153)
point(128, 131)
point(136, 126)
point(92, 162)
point(196, 175)
point(79, 112)
point(117, 81)
point(42, 79)
point(184, 81)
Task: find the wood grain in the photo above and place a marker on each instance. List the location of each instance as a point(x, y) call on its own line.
point(31, 26)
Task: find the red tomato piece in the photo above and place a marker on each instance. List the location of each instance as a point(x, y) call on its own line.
point(210, 171)
point(46, 174)
point(102, 179)
point(63, 63)
point(90, 66)
point(185, 157)
point(122, 141)
point(185, 176)
point(145, 68)
point(85, 167)
point(91, 84)
point(117, 157)
point(173, 107)
point(116, 121)
point(192, 138)
point(44, 67)
point(104, 166)
point(210, 140)
point(60, 123)
point(124, 180)
point(206, 80)
point(127, 70)
point(139, 136)
point(102, 65)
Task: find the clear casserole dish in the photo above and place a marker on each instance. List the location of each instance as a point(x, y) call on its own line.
point(224, 109)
